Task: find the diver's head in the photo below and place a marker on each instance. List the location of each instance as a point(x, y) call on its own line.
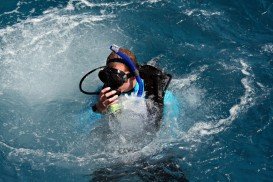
point(113, 57)
point(117, 74)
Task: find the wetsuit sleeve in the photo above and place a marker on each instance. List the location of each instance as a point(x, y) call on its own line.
point(171, 106)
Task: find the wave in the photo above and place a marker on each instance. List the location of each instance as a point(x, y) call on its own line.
point(202, 129)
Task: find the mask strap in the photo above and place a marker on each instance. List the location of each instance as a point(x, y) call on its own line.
point(130, 75)
point(115, 60)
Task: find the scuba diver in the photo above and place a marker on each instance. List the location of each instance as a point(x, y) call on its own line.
point(124, 75)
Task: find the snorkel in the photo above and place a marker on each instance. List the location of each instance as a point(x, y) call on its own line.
point(128, 62)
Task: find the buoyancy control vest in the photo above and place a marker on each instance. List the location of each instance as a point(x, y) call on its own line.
point(156, 83)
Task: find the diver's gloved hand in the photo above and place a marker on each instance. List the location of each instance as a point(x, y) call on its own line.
point(106, 98)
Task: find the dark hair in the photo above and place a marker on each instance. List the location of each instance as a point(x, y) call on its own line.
point(131, 55)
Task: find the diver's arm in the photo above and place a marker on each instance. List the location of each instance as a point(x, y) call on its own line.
point(106, 98)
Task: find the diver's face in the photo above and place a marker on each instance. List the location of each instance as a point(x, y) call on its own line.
point(130, 83)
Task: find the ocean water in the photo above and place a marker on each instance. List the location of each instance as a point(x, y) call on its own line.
point(220, 54)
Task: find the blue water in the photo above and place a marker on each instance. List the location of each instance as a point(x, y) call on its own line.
point(219, 52)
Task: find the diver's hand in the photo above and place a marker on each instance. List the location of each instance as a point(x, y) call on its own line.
point(106, 98)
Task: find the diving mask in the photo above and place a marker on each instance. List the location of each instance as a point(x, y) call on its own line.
point(113, 78)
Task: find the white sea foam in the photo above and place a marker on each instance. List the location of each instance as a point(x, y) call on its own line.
point(92, 5)
point(31, 51)
point(13, 11)
point(87, 3)
point(247, 100)
point(229, 67)
point(189, 79)
point(151, 1)
point(39, 158)
point(260, 85)
point(207, 13)
point(267, 48)
point(154, 60)
point(10, 12)
point(245, 68)
point(133, 123)
point(70, 6)
point(198, 12)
